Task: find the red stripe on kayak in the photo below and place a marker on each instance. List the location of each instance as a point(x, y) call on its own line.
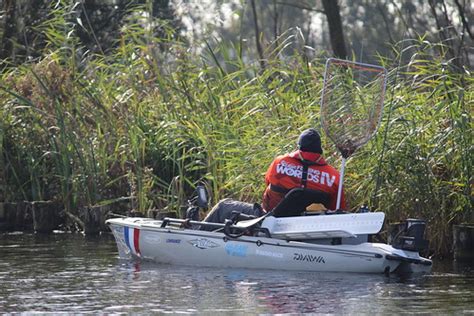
point(136, 237)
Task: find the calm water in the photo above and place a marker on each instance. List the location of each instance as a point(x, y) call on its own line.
point(73, 274)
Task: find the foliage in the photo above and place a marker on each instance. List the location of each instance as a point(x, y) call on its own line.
point(150, 120)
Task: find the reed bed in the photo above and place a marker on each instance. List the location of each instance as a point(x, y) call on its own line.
point(149, 120)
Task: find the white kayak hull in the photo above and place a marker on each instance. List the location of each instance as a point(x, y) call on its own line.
point(145, 239)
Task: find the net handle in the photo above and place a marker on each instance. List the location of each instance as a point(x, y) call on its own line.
point(341, 181)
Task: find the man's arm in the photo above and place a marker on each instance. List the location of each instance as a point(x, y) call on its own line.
point(269, 172)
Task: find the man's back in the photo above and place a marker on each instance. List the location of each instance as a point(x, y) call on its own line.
point(287, 172)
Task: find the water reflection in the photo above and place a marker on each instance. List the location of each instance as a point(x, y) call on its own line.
point(68, 273)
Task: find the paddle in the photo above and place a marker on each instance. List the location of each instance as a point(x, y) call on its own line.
point(294, 203)
point(252, 222)
point(242, 226)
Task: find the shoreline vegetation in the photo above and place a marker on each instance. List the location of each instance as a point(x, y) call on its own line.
point(138, 127)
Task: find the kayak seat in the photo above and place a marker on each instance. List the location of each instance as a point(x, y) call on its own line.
point(297, 200)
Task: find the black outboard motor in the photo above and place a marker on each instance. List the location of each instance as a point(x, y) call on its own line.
point(409, 235)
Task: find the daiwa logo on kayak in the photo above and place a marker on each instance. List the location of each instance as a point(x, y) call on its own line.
point(315, 176)
point(308, 258)
point(203, 243)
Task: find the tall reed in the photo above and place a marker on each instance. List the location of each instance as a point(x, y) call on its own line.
point(150, 120)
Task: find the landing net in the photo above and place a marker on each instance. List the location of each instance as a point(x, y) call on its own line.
point(351, 106)
point(351, 103)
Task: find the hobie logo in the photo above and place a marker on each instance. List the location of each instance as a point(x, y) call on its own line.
point(203, 243)
point(309, 258)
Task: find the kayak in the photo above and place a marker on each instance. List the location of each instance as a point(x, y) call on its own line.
point(334, 242)
point(289, 237)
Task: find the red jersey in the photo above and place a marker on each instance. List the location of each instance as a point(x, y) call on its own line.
point(285, 172)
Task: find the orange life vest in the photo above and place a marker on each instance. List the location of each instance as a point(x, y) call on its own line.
point(287, 172)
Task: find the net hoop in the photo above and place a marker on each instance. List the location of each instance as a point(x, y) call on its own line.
point(365, 78)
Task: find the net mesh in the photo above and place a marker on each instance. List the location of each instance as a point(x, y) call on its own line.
point(351, 103)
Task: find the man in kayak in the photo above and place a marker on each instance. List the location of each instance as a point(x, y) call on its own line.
point(303, 168)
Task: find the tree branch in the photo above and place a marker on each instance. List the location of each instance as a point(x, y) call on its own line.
point(386, 22)
point(299, 6)
point(465, 24)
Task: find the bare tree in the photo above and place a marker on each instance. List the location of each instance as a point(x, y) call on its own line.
point(465, 22)
point(447, 32)
point(257, 35)
point(333, 15)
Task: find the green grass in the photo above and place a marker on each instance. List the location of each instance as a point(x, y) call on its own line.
point(152, 123)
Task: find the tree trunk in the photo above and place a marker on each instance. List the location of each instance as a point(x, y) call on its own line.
point(447, 34)
point(466, 26)
point(276, 32)
point(6, 48)
point(257, 35)
point(331, 9)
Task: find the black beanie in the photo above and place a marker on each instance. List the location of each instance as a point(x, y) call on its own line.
point(310, 141)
